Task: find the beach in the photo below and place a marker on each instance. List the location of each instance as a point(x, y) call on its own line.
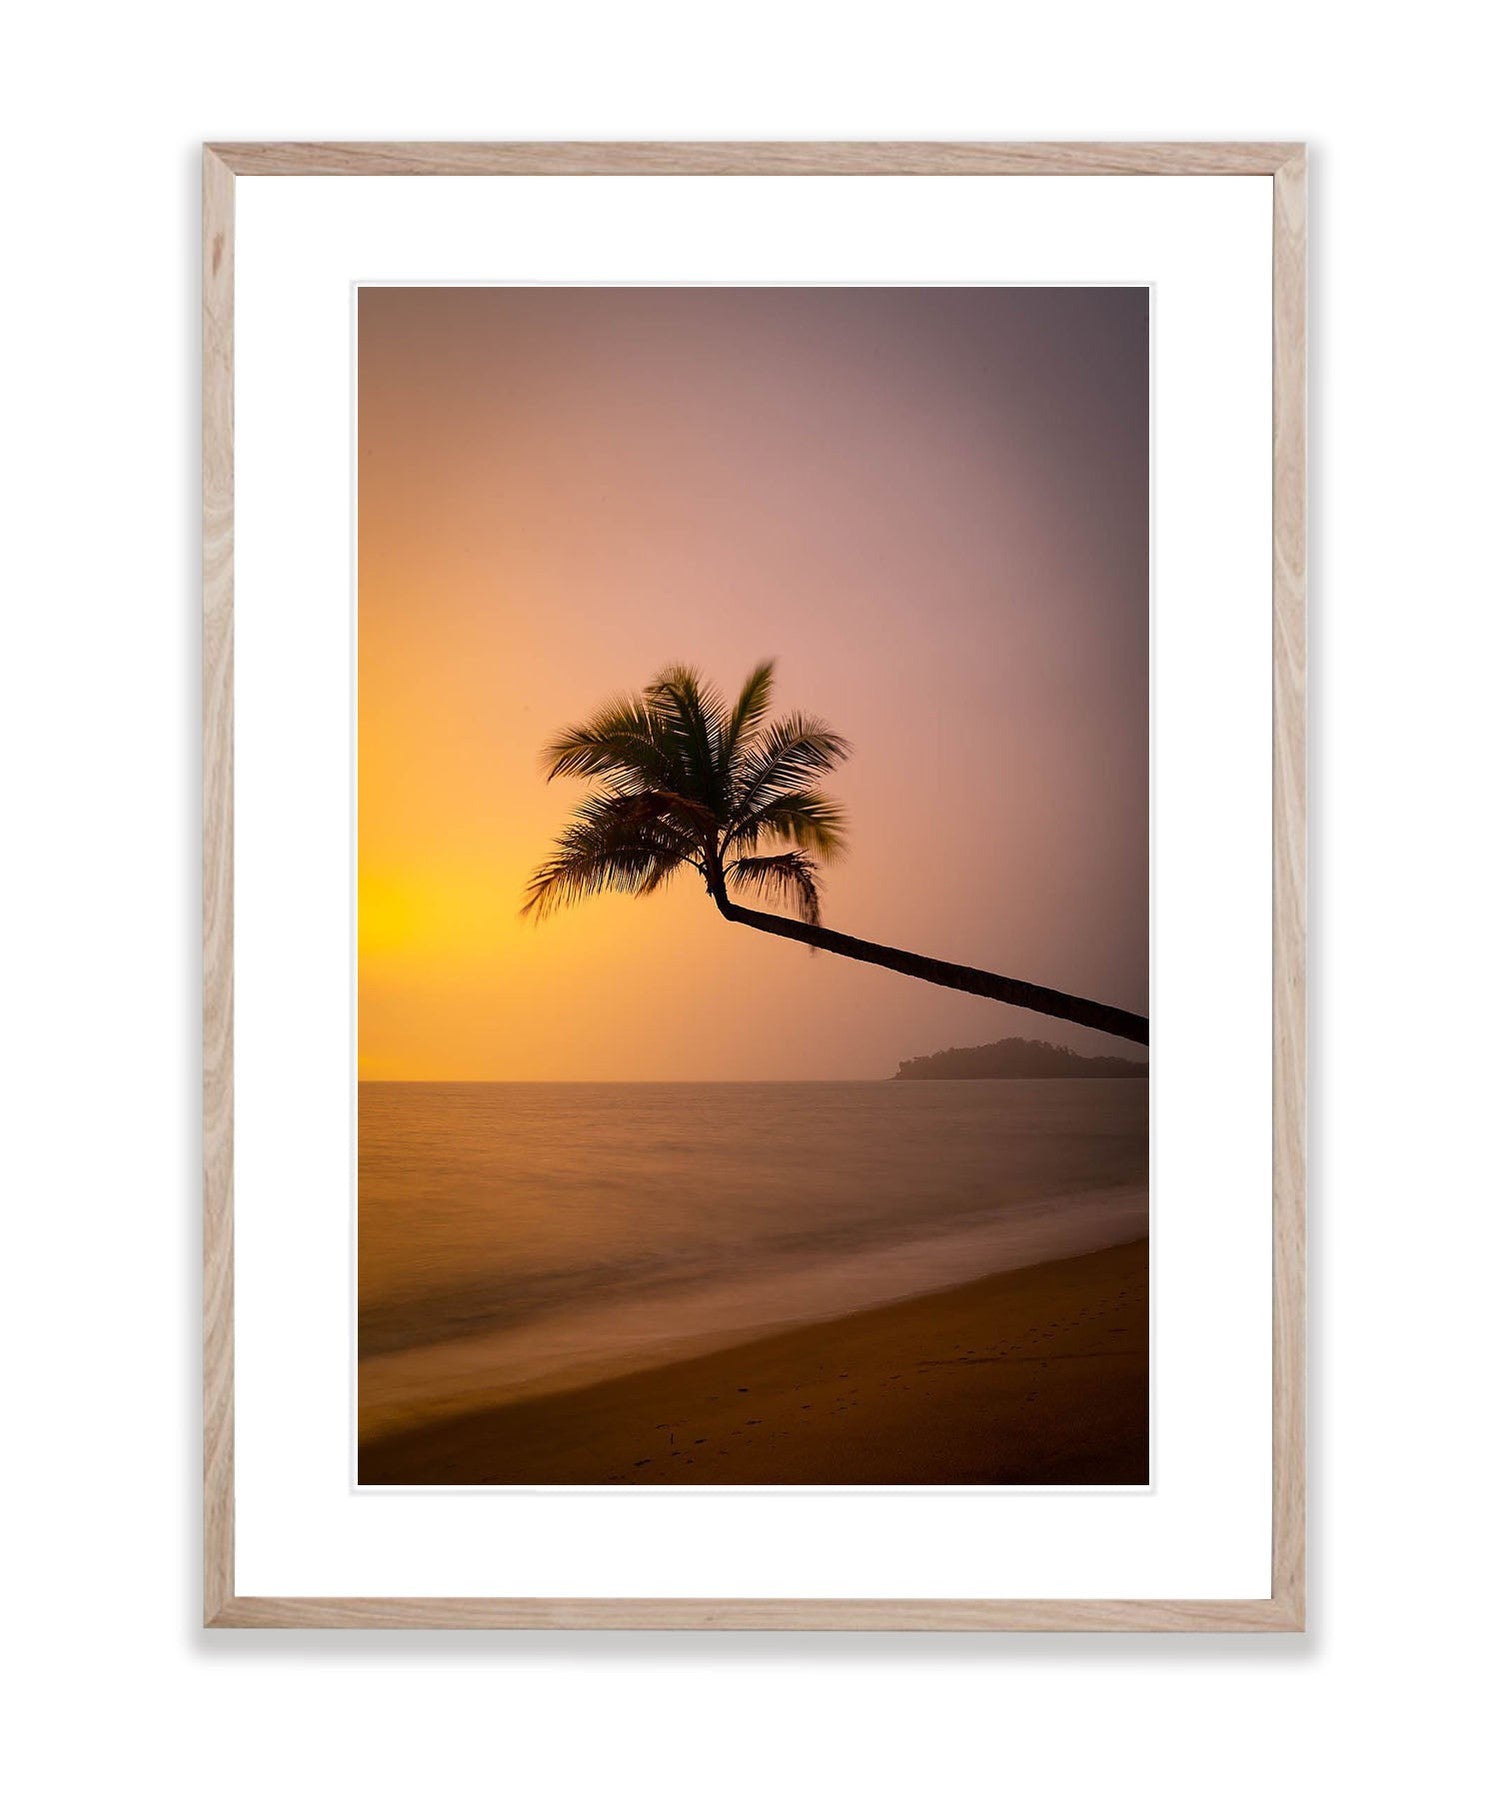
point(753, 1282)
point(1036, 1376)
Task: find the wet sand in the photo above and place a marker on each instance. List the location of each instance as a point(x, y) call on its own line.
point(1037, 1376)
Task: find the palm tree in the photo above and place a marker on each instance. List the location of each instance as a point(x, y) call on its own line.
point(682, 780)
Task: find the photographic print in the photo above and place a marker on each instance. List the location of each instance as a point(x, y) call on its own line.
point(753, 886)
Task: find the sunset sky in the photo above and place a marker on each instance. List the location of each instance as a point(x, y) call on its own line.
point(929, 505)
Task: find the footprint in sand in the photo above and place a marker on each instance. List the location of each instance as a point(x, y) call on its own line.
point(643, 1462)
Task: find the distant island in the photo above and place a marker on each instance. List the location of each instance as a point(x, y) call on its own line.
point(1019, 1059)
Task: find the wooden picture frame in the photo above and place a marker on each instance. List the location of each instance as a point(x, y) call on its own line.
point(1285, 163)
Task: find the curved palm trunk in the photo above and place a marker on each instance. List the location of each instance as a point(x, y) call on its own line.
point(1088, 1012)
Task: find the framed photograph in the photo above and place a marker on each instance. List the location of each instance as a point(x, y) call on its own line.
point(754, 886)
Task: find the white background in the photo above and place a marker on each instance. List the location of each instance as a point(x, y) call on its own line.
point(1202, 1532)
point(98, 715)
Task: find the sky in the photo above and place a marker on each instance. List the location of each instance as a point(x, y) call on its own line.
point(930, 506)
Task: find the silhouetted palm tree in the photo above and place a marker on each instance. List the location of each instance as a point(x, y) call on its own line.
point(683, 780)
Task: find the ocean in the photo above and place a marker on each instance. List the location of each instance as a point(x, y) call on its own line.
point(519, 1238)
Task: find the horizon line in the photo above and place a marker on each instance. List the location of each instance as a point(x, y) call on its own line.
point(814, 1080)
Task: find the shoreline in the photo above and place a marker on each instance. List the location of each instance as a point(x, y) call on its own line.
point(576, 1344)
point(1035, 1376)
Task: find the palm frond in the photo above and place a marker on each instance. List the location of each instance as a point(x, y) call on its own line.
point(692, 714)
point(792, 751)
point(624, 740)
point(620, 843)
point(807, 818)
point(790, 878)
point(749, 709)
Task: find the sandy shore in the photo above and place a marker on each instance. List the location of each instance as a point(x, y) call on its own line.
point(1035, 1376)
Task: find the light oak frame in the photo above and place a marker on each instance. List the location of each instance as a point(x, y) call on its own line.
point(1285, 163)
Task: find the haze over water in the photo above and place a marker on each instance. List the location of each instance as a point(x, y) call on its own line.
point(529, 1237)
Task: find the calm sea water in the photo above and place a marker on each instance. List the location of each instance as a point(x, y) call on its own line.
point(517, 1238)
